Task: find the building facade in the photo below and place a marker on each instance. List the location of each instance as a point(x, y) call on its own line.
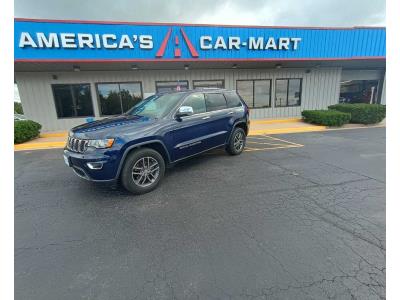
point(71, 72)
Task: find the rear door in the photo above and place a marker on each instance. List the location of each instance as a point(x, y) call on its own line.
point(219, 118)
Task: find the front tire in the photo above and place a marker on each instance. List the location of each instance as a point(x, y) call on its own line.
point(143, 170)
point(237, 142)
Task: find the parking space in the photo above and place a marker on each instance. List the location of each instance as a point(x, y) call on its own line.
point(267, 142)
point(299, 216)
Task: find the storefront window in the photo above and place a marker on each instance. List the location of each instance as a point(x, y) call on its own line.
point(73, 100)
point(220, 84)
point(294, 92)
point(245, 90)
point(167, 86)
point(117, 98)
point(262, 93)
point(256, 93)
point(358, 91)
point(288, 92)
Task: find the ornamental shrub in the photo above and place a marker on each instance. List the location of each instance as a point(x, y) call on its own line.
point(18, 108)
point(326, 117)
point(362, 113)
point(25, 130)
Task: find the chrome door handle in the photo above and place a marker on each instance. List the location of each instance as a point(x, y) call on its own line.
point(205, 118)
point(230, 113)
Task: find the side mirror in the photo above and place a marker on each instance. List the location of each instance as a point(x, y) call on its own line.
point(184, 111)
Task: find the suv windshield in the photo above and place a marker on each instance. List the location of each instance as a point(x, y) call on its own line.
point(156, 106)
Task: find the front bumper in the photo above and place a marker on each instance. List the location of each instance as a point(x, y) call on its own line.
point(79, 163)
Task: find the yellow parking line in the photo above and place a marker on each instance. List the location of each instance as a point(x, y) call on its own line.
point(248, 142)
point(272, 148)
point(282, 140)
point(273, 142)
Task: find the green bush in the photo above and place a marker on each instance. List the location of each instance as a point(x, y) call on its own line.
point(18, 108)
point(25, 131)
point(326, 117)
point(362, 113)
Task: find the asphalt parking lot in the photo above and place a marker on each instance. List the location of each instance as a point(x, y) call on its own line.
point(304, 219)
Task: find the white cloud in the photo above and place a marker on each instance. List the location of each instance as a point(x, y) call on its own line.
point(250, 12)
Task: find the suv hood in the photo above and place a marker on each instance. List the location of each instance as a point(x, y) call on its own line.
point(111, 127)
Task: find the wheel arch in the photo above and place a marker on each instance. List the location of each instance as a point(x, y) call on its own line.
point(156, 145)
point(241, 124)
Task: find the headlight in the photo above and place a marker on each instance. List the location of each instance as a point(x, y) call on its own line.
point(101, 144)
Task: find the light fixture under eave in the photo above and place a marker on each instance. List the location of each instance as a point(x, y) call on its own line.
point(134, 67)
point(278, 66)
point(186, 67)
point(76, 68)
point(234, 66)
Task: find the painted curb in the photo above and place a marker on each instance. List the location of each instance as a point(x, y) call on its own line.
point(39, 146)
point(288, 130)
point(277, 121)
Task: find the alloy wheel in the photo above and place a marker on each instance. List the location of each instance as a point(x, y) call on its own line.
point(145, 171)
point(238, 141)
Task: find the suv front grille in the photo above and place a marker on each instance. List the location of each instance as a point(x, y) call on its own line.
point(77, 145)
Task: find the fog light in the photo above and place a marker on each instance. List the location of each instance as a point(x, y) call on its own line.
point(95, 165)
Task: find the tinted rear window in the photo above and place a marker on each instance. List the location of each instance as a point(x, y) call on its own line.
point(232, 99)
point(215, 102)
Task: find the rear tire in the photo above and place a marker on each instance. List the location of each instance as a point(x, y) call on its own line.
point(237, 142)
point(143, 170)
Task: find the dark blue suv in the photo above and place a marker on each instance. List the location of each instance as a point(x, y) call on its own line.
point(160, 130)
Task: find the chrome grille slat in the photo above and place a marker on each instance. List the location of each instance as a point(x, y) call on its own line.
point(77, 145)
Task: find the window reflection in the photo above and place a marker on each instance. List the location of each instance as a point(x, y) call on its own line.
point(358, 91)
point(262, 95)
point(73, 100)
point(294, 92)
point(117, 98)
point(256, 93)
point(197, 102)
point(288, 92)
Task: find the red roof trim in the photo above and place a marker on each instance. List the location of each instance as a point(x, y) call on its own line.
point(195, 25)
point(199, 59)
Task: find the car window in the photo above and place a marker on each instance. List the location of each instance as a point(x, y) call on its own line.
point(157, 106)
point(197, 102)
point(232, 99)
point(215, 102)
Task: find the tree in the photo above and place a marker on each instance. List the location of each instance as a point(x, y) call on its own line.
point(18, 108)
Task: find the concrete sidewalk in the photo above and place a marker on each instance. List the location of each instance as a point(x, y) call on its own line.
point(257, 127)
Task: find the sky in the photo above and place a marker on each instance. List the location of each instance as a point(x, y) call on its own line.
point(234, 12)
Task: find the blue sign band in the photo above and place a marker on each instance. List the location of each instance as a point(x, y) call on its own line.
point(74, 41)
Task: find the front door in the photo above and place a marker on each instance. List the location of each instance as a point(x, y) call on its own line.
point(191, 134)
